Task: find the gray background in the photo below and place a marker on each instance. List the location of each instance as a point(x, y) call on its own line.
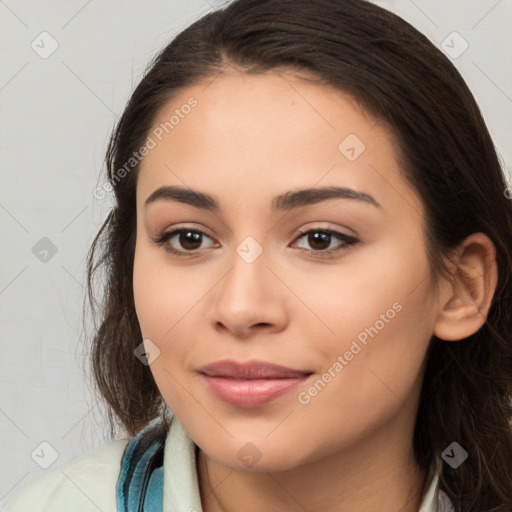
point(57, 113)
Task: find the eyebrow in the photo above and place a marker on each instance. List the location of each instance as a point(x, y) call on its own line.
point(284, 202)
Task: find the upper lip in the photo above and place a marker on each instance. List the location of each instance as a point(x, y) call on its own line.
point(250, 370)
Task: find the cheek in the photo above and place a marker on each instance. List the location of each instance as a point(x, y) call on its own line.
point(166, 301)
point(380, 321)
point(164, 295)
point(367, 296)
point(375, 381)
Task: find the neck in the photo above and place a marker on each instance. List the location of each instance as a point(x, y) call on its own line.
point(359, 479)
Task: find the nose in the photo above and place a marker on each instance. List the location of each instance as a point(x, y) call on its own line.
point(249, 299)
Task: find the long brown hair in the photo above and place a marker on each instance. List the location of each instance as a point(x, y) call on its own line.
point(446, 154)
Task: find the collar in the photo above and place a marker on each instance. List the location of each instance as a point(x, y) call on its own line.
point(181, 487)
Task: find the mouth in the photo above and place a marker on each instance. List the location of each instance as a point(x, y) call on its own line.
point(251, 384)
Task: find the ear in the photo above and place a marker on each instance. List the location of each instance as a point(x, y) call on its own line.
point(465, 301)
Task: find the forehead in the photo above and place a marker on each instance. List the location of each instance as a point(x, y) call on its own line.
point(249, 134)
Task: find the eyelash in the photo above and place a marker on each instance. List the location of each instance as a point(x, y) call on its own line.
point(326, 253)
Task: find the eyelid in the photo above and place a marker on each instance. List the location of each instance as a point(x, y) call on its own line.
point(327, 228)
point(178, 228)
point(167, 234)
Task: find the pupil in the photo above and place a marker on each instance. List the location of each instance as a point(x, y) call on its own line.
point(190, 238)
point(315, 238)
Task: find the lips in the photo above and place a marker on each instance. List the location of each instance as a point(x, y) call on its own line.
point(251, 384)
point(250, 370)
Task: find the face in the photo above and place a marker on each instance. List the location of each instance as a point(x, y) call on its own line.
point(332, 286)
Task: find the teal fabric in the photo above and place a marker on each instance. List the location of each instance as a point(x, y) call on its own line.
point(155, 493)
point(140, 484)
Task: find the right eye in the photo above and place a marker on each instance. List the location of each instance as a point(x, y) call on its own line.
point(190, 239)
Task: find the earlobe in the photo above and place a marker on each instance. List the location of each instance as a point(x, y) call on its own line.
point(465, 301)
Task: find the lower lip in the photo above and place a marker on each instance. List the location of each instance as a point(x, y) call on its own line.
point(248, 394)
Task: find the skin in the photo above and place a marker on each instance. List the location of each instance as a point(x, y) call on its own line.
point(350, 447)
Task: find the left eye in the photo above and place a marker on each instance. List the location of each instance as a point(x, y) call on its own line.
point(320, 240)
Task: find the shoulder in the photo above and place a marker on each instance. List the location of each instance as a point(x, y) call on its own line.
point(87, 483)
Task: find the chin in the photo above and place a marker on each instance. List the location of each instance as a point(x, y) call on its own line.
point(256, 455)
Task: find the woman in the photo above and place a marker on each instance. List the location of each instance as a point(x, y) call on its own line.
point(308, 266)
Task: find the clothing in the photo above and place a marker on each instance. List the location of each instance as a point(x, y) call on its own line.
point(89, 483)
